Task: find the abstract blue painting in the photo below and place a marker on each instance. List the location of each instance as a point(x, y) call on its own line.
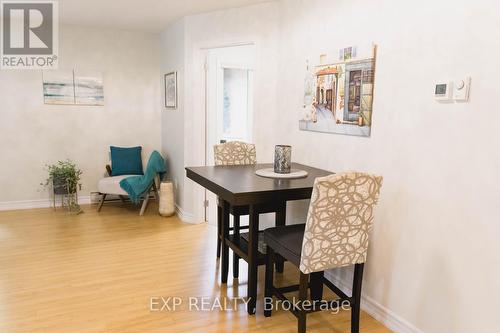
point(73, 88)
point(89, 89)
point(58, 87)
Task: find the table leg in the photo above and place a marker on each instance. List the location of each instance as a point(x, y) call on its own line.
point(280, 221)
point(253, 243)
point(219, 228)
point(225, 247)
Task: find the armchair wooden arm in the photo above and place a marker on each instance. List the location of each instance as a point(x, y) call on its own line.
point(108, 169)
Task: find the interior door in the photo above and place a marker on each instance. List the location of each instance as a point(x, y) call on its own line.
point(229, 103)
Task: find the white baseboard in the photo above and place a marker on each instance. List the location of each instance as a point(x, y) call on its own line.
point(37, 203)
point(185, 216)
point(382, 314)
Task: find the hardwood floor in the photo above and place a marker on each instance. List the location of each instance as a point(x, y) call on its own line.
point(97, 272)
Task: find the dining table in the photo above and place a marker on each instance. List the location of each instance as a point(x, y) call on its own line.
point(239, 185)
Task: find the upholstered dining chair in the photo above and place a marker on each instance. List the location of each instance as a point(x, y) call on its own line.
point(227, 154)
point(235, 153)
point(335, 234)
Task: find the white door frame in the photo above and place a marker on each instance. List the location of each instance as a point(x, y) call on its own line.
point(199, 61)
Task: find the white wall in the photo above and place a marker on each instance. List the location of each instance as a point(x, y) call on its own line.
point(172, 59)
point(432, 261)
point(33, 134)
point(434, 234)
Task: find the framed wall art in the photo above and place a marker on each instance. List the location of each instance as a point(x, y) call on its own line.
point(171, 90)
point(338, 97)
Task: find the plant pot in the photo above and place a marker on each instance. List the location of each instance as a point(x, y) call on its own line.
point(59, 186)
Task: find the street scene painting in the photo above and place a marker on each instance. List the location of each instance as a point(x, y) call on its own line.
point(338, 97)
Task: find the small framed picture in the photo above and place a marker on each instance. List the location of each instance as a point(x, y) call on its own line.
point(171, 90)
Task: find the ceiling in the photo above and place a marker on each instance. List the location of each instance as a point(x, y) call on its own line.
point(140, 15)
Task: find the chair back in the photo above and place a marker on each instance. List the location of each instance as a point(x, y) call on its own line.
point(339, 221)
point(235, 153)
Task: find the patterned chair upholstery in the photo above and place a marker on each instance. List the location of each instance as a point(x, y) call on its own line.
point(235, 153)
point(335, 234)
point(339, 221)
point(226, 154)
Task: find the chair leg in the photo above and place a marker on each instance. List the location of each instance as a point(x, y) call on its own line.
point(236, 258)
point(219, 240)
point(144, 204)
point(279, 262)
point(316, 286)
point(100, 202)
point(225, 248)
point(356, 297)
point(236, 266)
point(269, 280)
point(155, 191)
point(303, 286)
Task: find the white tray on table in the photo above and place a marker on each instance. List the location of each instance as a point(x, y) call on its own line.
point(269, 173)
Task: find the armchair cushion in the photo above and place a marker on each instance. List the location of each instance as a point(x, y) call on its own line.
point(111, 185)
point(126, 161)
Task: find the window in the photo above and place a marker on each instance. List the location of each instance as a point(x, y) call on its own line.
point(236, 105)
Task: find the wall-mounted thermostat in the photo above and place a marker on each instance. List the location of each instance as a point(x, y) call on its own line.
point(442, 91)
point(461, 90)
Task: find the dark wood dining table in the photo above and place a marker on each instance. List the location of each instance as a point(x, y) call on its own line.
point(240, 186)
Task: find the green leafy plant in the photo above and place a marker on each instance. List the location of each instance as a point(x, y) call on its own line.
point(64, 177)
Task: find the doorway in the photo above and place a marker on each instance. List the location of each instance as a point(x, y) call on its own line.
point(229, 77)
point(354, 103)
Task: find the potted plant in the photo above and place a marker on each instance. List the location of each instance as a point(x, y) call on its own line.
point(64, 178)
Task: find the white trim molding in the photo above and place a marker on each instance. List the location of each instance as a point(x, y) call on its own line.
point(382, 314)
point(37, 203)
point(185, 216)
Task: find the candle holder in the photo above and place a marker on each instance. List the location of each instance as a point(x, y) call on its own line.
point(282, 159)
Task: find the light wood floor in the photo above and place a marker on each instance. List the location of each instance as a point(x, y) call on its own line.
point(97, 273)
